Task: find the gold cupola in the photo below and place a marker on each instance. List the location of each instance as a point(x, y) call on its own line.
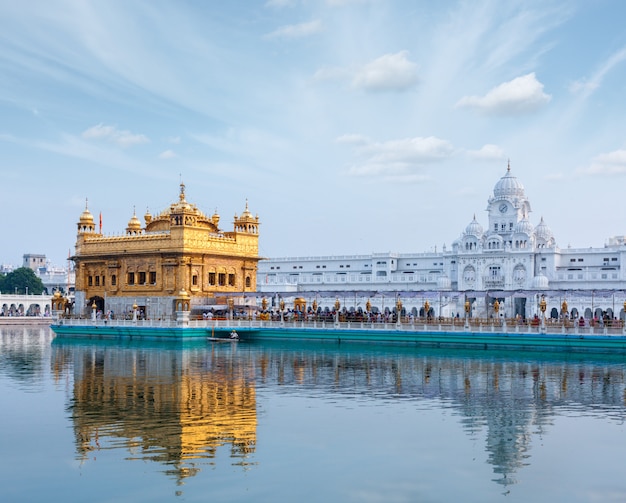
point(86, 223)
point(134, 225)
point(246, 222)
point(215, 218)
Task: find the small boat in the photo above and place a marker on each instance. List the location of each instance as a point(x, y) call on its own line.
point(233, 337)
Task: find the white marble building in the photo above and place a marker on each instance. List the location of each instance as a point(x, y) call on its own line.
point(510, 260)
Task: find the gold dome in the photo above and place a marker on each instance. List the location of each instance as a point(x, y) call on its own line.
point(134, 225)
point(85, 223)
point(86, 217)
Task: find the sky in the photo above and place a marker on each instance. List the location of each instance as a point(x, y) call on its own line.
point(349, 127)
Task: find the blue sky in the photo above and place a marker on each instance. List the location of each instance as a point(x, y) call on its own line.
point(349, 126)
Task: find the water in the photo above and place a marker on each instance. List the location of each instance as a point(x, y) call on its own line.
point(118, 421)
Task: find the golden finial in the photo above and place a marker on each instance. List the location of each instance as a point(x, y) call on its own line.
point(508, 168)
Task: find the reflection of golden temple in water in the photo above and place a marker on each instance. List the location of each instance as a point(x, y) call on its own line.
point(175, 407)
point(179, 407)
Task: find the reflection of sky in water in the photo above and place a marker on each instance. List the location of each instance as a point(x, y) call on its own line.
point(309, 422)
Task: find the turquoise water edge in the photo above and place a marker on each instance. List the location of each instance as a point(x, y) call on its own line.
point(106, 419)
point(528, 338)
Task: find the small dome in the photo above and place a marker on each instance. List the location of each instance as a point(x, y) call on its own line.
point(474, 228)
point(134, 223)
point(86, 217)
point(540, 282)
point(524, 227)
point(508, 186)
point(148, 216)
point(246, 213)
point(543, 232)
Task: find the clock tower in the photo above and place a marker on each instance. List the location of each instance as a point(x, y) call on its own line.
point(507, 207)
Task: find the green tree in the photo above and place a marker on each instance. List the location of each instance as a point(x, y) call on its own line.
point(21, 280)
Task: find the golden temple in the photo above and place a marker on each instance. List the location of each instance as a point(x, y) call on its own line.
point(178, 254)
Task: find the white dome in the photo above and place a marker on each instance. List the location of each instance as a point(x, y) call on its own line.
point(524, 227)
point(540, 282)
point(543, 231)
point(474, 228)
point(508, 186)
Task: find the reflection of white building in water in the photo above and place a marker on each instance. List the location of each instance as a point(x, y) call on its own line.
point(510, 259)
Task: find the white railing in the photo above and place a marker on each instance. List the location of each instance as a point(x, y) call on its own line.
point(416, 326)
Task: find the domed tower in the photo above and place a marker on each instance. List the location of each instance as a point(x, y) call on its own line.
point(147, 217)
point(523, 235)
point(544, 236)
point(246, 222)
point(134, 226)
point(471, 238)
point(507, 207)
point(86, 223)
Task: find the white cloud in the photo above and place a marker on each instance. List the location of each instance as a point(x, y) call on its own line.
point(583, 86)
point(520, 95)
point(396, 159)
point(174, 139)
point(111, 133)
point(611, 163)
point(296, 30)
point(587, 86)
point(167, 154)
point(390, 72)
point(488, 152)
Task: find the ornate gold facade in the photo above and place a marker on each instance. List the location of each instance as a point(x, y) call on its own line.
point(178, 250)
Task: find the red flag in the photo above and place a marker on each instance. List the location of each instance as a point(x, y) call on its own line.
point(100, 222)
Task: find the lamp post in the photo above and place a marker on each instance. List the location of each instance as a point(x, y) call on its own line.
point(337, 307)
point(426, 310)
point(496, 308)
point(399, 312)
point(624, 320)
point(467, 312)
point(564, 310)
point(542, 308)
point(231, 307)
